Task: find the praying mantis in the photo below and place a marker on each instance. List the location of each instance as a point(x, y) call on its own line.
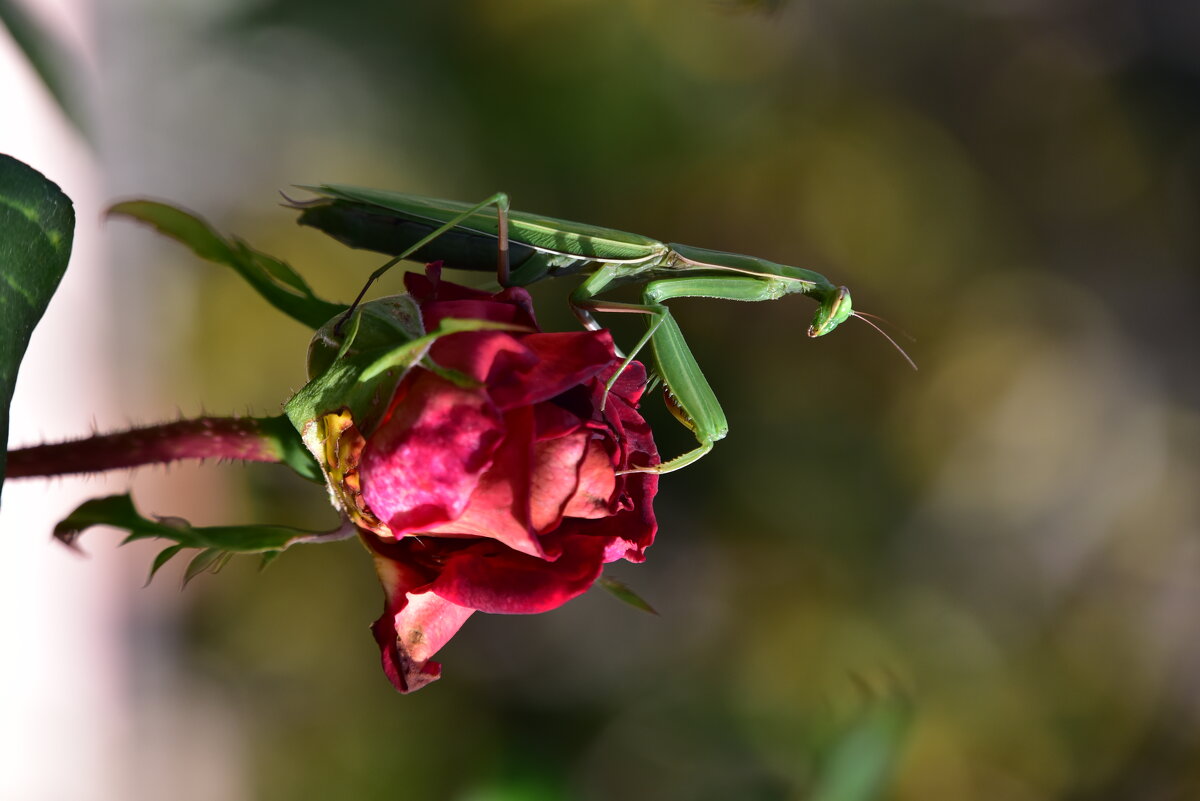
point(525, 248)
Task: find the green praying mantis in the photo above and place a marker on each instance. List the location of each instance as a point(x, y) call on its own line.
point(524, 248)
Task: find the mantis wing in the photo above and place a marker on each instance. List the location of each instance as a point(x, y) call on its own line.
point(372, 210)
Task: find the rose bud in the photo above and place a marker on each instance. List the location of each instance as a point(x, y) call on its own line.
point(500, 476)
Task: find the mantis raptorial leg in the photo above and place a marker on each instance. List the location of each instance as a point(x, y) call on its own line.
point(690, 396)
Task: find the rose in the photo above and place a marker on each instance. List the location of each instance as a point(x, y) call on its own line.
point(504, 493)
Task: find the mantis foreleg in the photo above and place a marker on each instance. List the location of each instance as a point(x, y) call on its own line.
point(689, 396)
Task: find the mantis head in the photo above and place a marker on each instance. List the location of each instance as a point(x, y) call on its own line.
point(835, 309)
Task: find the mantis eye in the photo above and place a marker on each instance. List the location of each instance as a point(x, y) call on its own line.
point(834, 310)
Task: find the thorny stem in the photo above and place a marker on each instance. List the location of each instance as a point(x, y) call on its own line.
point(242, 438)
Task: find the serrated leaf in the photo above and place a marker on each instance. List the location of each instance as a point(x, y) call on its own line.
point(267, 558)
point(622, 592)
point(274, 280)
point(118, 511)
point(280, 270)
point(37, 224)
point(206, 561)
point(164, 556)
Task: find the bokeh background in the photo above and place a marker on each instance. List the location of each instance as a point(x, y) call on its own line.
point(1008, 538)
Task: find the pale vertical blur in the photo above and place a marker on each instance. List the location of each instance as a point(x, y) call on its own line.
point(62, 679)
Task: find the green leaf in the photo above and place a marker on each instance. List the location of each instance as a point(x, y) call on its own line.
point(164, 556)
point(37, 223)
point(216, 543)
point(53, 63)
point(623, 592)
point(858, 764)
point(267, 558)
point(276, 281)
point(210, 560)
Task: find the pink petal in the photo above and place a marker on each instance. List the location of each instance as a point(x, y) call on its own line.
point(556, 478)
point(427, 623)
point(499, 507)
point(420, 467)
point(414, 625)
point(597, 484)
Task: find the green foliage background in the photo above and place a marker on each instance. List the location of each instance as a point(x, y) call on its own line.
point(1009, 535)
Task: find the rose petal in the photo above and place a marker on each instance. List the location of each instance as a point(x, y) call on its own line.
point(511, 305)
point(631, 531)
point(597, 484)
point(630, 385)
point(499, 507)
point(513, 487)
point(420, 467)
point(560, 362)
point(494, 579)
point(553, 421)
point(556, 479)
point(414, 625)
point(630, 430)
point(471, 309)
point(488, 357)
point(429, 287)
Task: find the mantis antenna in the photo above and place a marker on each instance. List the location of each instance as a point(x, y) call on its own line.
point(863, 316)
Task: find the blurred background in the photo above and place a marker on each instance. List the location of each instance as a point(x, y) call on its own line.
point(1008, 538)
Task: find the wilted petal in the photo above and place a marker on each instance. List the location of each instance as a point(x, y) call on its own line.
point(415, 624)
point(408, 639)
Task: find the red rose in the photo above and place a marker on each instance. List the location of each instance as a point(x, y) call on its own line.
point(508, 496)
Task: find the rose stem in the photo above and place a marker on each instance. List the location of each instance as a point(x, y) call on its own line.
point(242, 438)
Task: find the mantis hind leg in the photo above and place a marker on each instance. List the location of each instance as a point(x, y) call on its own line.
point(499, 200)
